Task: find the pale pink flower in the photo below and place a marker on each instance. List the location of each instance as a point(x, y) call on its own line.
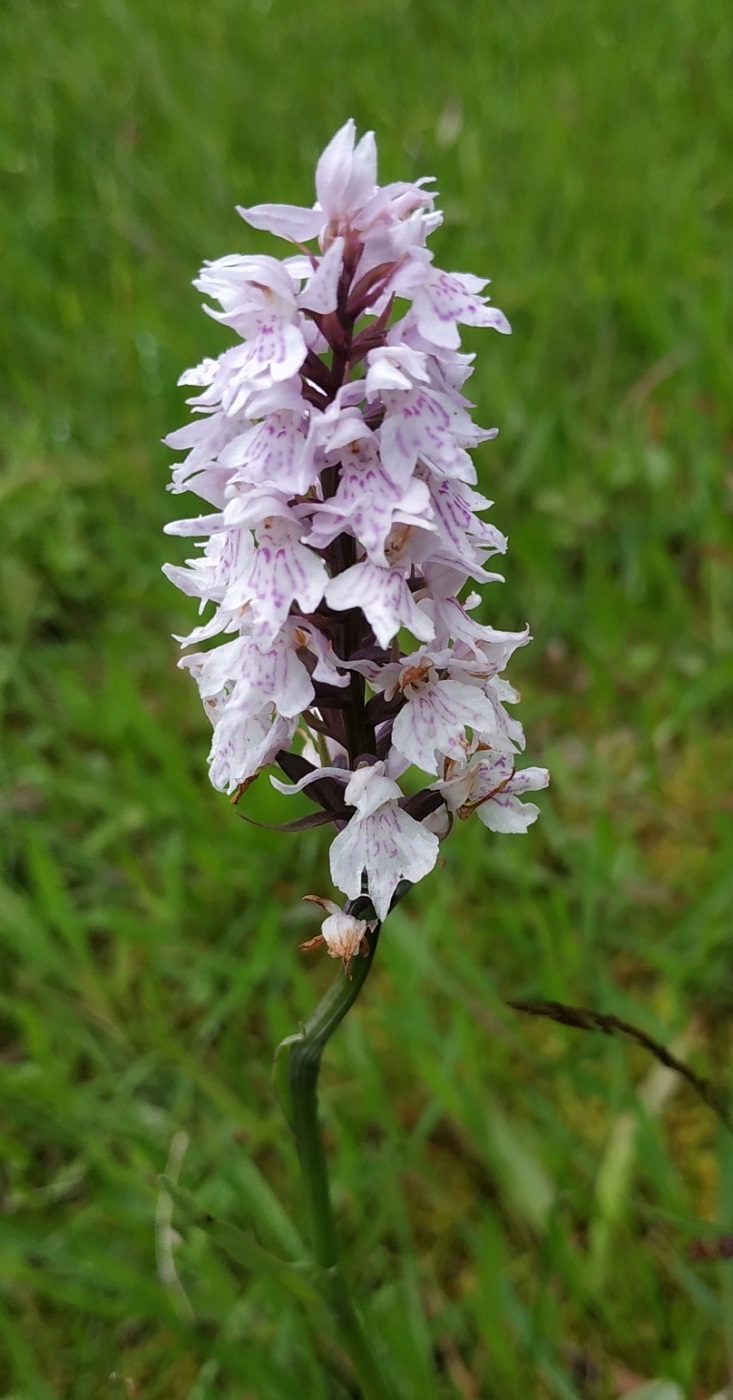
point(381, 845)
point(383, 596)
point(348, 199)
point(443, 299)
point(489, 785)
point(280, 573)
point(432, 723)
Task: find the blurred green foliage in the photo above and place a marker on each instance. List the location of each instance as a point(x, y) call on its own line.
point(517, 1201)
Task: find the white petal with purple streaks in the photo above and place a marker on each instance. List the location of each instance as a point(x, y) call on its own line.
point(445, 298)
point(384, 598)
point(434, 719)
point(282, 571)
point(381, 842)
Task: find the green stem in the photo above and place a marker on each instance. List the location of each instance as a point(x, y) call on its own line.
point(296, 1078)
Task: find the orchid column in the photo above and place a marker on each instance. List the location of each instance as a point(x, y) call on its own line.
point(331, 444)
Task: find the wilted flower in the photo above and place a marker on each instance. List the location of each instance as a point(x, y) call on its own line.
point(343, 935)
point(332, 444)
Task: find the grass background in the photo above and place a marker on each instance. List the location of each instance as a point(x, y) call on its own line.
point(517, 1200)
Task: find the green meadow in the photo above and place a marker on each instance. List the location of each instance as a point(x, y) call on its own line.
point(526, 1209)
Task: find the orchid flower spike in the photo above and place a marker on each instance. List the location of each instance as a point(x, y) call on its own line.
point(331, 445)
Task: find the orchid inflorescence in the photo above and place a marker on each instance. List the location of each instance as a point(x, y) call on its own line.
point(333, 444)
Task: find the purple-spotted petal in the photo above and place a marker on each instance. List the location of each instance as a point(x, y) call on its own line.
point(445, 298)
point(384, 598)
point(434, 720)
point(386, 847)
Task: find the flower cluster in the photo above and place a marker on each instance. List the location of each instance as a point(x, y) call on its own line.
point(332, 443)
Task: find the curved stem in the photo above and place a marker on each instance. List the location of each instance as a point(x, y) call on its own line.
point(296, 1078)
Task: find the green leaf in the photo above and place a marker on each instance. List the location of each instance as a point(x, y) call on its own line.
point(298, 1278)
